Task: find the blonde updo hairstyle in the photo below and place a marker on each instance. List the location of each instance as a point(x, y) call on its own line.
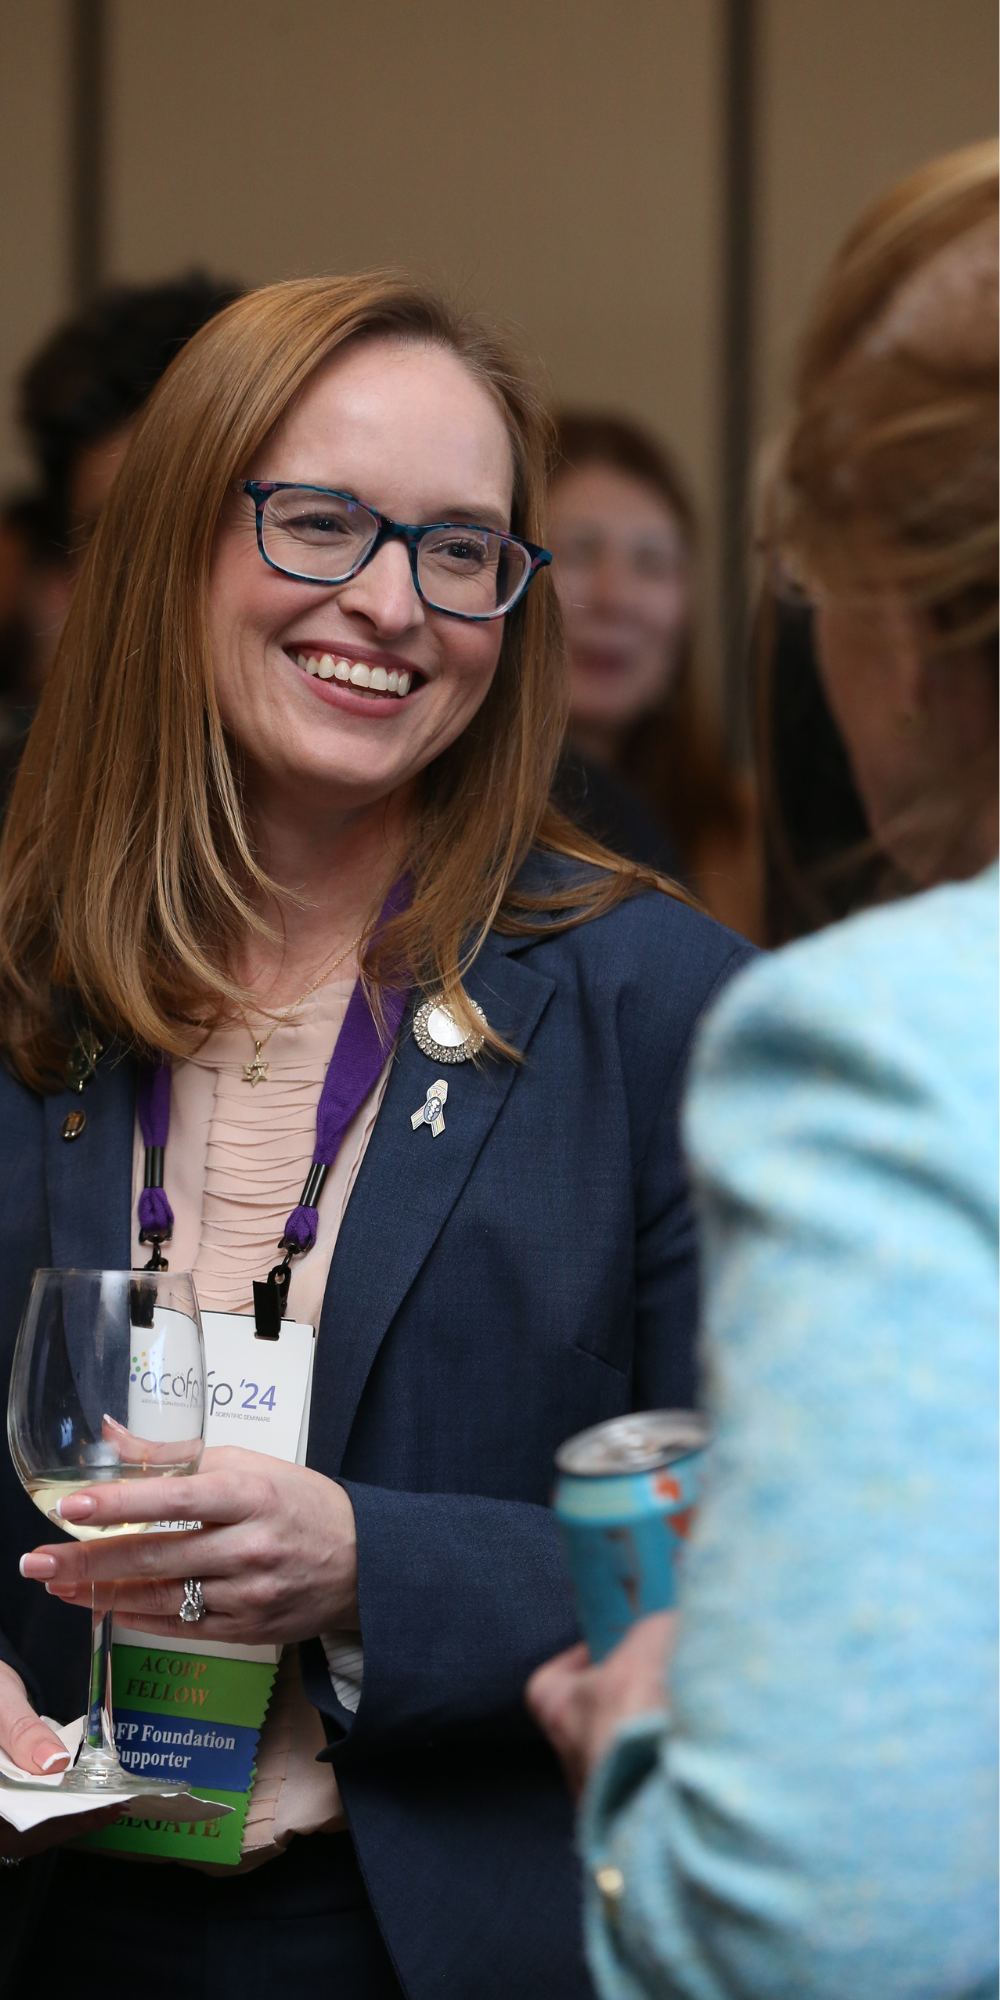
point(887, 475)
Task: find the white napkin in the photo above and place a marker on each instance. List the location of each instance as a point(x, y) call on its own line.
point(26, 1802)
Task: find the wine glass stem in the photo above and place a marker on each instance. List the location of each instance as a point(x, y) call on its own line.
point(98, 1754)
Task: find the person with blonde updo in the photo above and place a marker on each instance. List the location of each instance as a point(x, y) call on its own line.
point(810, 1809)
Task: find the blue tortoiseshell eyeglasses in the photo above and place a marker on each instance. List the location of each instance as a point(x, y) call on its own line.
point(316, 535)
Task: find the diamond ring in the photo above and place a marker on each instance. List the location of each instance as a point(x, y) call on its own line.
point(193, 1606)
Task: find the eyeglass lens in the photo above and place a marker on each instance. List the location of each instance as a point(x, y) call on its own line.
point(318, 535)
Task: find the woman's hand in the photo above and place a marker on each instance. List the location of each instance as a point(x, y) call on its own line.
point(580, 1706)
point(24, 1737)
point(34, 1747)
point(276, 1554)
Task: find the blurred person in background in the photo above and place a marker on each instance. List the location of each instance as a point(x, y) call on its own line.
point(80, 395)
point(78, 399)
point(810, 1807)
point(644, 768)
point(35, 589)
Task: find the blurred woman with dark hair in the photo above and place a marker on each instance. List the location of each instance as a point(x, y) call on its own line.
point(645, 767)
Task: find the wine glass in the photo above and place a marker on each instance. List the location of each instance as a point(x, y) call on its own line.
point(108, 1385)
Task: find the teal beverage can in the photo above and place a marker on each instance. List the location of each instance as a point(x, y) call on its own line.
point(624, 1502)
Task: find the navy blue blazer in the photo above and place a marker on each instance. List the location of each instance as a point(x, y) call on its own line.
point(527, 1273)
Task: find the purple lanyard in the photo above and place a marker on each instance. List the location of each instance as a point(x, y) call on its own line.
point(355, 1067)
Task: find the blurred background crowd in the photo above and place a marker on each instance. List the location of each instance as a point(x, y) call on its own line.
point(647, 194)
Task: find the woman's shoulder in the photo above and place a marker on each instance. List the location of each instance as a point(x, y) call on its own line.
point(875, 1041)
point(904, 976)
point(18, 1101)
point(638, 973)
point(644, 936)
point(22, 1131)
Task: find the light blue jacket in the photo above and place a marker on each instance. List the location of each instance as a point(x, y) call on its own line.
point(817, 1820)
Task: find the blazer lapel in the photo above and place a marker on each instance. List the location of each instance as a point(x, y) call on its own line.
point(407, 1187)
point(89, 1179)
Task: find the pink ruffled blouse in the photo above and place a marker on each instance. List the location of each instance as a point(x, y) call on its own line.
point(237, 1158)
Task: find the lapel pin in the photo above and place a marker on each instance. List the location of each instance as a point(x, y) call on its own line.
point(431, 1111)
point(438, 1035)
point(82, 1061)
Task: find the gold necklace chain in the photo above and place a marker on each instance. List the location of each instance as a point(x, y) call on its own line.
point(256, 1071)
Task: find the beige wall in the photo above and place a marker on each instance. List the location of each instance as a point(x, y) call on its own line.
point(854, 94)
point(535, 156)
point(556, 160)
point(33, 239)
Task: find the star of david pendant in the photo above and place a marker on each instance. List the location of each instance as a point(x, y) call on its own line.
point(255, 1072)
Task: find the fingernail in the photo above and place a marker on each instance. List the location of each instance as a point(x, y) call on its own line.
point(54, 1757)
point(37, 1567)
point(62, 1590)
point(75, 1507)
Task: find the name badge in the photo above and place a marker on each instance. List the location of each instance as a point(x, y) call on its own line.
point(196, 1710)
point(258, 1391)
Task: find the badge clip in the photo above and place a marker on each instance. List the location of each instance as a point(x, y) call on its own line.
point(270, 1299)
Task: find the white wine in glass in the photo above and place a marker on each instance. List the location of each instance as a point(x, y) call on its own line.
point(107, 1387)
point(47, 1492)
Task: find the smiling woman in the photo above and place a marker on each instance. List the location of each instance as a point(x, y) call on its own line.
point(284, 822)
point(306, 379)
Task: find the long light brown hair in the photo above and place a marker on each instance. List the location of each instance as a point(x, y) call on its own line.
point(127, 868)
point(886, 478)
point(675, 755)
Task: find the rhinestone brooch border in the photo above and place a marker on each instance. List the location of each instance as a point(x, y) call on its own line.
point(437, 1050)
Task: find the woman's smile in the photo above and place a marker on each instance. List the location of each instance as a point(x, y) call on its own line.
point(358, 679)
point(412, 427)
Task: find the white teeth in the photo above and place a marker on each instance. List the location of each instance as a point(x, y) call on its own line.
point(328, 667)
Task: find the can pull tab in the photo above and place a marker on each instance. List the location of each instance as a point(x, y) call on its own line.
point(270, 1299)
